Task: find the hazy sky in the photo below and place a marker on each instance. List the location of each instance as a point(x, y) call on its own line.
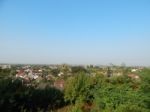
point(75, 31)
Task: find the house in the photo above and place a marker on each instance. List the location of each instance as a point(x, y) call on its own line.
point(5, 66)
point(20, 74)
point(35, 77)
point(31, 75)
point(26, 80)
point(134, 70)
point(27, 70)
point(60, 74)
point(50, 77)
point(133, 76)
point(59, 84)
point(40, 70)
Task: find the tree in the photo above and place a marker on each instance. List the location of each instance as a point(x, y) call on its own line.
point(16, 97)
point(78, 69)
point(55, 72)
point(78, 88)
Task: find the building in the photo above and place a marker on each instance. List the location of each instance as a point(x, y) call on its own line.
point(59, 84)
point(133, 76)
point(5, 66)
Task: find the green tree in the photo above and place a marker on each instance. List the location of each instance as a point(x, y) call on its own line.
point(78, 69)
point(55, 72)
point(78, 87)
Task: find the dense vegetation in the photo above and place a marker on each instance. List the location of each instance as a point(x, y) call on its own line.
point(114, 94)
point(83, 93)
point(17, 97)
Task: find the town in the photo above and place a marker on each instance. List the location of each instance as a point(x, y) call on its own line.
point(57, 74)
point(65, 88)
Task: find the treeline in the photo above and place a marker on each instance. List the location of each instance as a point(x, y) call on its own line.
point(16, 97)
point(5, 73)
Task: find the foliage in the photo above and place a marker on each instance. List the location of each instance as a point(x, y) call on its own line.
point(4, 73)
point(78, 69)
point(17, 97)
point(130, 108)
point(78, 88)
point(55, 72)
point(109, 94)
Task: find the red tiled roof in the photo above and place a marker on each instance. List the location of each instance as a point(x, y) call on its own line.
point(59, 84)
point(133, 76)
point(21, 72)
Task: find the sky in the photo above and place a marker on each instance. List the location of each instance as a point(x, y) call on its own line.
point(75, 32)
